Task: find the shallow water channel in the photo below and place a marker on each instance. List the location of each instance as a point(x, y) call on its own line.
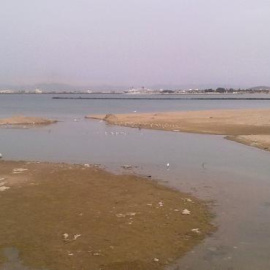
point(234, 177)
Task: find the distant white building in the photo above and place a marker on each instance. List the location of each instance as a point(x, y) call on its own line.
point(38, 91)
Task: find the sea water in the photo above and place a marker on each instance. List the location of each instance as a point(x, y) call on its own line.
point(234, 177)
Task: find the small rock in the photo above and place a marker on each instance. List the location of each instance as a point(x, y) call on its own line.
point(185, 212)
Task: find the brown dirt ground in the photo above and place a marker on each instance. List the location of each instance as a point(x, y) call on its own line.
point(218, 122)
point(121, 221)
point(24, 120)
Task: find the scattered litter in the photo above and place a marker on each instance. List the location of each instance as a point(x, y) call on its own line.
point(196, 230)
point(87, 165)
point(76, 236)
point(120, 215)
point(185, 212)
point(156, 260)
point(130, 214)
point(19, 170)
point(96, 254)
point(160, 204)
point(65, 235)
point(70, 254)
point(176, 210)
point(150, 204)
point(3, 188)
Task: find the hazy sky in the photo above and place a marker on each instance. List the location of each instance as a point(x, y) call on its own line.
point(135, 42)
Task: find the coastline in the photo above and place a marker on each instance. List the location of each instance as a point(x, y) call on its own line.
point(81, 215)
point(237, 125)
point(25, 120)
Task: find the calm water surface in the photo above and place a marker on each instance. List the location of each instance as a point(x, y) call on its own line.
point(234, 176)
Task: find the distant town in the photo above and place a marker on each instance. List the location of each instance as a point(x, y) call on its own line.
point(146, 91)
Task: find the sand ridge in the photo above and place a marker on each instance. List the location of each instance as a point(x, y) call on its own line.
point(26, 120)
point(232, 123)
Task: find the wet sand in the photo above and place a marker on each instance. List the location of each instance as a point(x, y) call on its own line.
point(25, 120)
point(233, 123)
point(61, 216)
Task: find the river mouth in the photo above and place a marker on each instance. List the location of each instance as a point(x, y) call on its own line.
point(235, 177)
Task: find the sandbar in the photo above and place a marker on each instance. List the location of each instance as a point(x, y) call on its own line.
point(238, 125)
point(26, 120)
point(62, 216)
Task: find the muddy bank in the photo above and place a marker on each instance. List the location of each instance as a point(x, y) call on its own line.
point(259, 141)
point(218, 122)
point(61, 216)
point(25, 120)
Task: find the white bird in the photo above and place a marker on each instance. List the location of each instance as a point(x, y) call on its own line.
point(168, 165)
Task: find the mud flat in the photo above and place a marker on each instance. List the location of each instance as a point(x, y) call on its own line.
point(61, 216)
point(25, 120)
point(239, 125)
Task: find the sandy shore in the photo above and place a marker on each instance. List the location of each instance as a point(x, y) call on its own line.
point(24, 120)
point(233, 123)
point(61, 216)
point(259, 141)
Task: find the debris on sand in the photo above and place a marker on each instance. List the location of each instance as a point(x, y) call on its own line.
point(19, 170)
point(185, 212)
point(3, 188)
point(196, 230)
